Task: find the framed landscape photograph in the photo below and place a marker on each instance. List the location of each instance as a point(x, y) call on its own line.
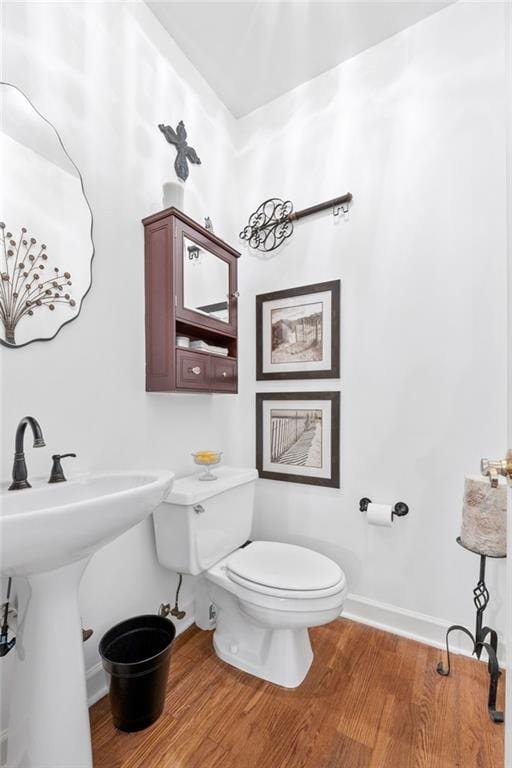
point(298, 333)
point(298, 437)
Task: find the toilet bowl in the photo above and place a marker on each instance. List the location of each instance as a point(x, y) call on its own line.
point(266, 594)
point(263, 615)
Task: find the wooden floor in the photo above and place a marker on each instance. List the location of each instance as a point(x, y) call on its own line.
point(370, 700)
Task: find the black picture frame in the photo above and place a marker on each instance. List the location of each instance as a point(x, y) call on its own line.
point(333, 481)
point(334, 286)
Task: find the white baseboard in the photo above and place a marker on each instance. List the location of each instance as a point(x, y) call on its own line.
point(96, 683)
point(411, 624)
point(389, 618)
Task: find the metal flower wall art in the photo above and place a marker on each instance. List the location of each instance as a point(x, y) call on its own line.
point(28, 284)
point(185, 152)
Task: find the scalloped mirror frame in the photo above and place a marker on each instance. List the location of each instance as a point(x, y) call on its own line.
point(86, 200)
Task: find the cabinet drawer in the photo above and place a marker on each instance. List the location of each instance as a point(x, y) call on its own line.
point(223, 375)
point(192, 370)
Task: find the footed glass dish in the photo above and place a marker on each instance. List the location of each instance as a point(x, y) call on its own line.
point(207, 459)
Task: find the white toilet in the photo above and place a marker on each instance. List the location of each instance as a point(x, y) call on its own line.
point(266, 593)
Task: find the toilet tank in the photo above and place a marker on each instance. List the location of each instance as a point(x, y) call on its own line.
point(200, 522)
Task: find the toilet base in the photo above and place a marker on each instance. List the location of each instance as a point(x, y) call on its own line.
point(281, 656)
point(286, 661)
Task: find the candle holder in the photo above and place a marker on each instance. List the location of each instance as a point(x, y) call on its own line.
point(484, 637)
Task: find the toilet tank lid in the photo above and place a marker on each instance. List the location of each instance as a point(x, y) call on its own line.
point(189, 490)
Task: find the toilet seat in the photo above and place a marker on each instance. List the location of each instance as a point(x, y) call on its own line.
point(285, 570)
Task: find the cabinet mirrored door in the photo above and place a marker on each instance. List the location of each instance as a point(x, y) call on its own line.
point(205, 282)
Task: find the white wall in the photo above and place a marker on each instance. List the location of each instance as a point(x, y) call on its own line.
point(106, 74)
point(414, 129)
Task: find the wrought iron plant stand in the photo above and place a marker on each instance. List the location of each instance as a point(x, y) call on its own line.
point(484, 637)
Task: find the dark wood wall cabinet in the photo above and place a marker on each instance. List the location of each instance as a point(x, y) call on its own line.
point(191, 291)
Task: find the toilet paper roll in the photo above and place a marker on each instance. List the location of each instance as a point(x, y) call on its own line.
point(380, 514)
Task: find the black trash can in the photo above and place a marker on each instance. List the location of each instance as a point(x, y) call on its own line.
point(136, 654)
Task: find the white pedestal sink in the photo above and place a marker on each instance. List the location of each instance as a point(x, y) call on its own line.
point(47, 535)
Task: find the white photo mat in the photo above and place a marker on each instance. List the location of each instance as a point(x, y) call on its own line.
point(324, 299)
point(324, 406)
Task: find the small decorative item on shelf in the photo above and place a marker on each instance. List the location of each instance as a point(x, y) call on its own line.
point(207, 459)
point(172, 195)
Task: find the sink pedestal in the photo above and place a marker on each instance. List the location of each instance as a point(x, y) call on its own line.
point(49, 532)
point(49, 717)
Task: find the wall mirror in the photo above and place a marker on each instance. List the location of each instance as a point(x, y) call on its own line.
point(205, 282)
point(46, 246)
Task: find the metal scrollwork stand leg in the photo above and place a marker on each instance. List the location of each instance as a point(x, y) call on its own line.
point(481, 599)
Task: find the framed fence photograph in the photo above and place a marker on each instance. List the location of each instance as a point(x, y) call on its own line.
point(298, 333)
point(298, 437)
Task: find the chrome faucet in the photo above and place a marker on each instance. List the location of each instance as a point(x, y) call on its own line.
point(19, 469)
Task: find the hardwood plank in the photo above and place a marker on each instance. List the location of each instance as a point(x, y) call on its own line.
point(370, 700)
point(350, 753)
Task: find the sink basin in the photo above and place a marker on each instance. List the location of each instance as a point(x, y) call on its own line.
point(48, 526)
point(48, 534)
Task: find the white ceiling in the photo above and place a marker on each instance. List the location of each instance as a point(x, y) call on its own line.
point(250, 51)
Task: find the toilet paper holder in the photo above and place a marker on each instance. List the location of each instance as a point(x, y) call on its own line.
point(399, 510)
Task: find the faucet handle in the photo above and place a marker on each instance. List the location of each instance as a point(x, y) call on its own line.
point(57, 473)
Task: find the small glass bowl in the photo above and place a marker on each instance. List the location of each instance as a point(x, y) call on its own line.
point(207, 459)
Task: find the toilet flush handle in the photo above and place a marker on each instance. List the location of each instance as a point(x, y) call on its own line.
point(199, 509)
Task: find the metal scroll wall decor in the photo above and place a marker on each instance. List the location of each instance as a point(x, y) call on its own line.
point(46, 245)
point(272, 222)
point(185, 153)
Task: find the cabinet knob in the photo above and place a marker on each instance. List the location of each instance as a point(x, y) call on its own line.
point(233, 295)
point(224, 373)
point(196, 369)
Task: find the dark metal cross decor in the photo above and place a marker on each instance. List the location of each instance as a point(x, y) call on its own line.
point(185, 153)
point(483, 638)
point(272, 222)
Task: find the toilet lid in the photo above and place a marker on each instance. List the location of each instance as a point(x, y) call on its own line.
point(278, 566)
